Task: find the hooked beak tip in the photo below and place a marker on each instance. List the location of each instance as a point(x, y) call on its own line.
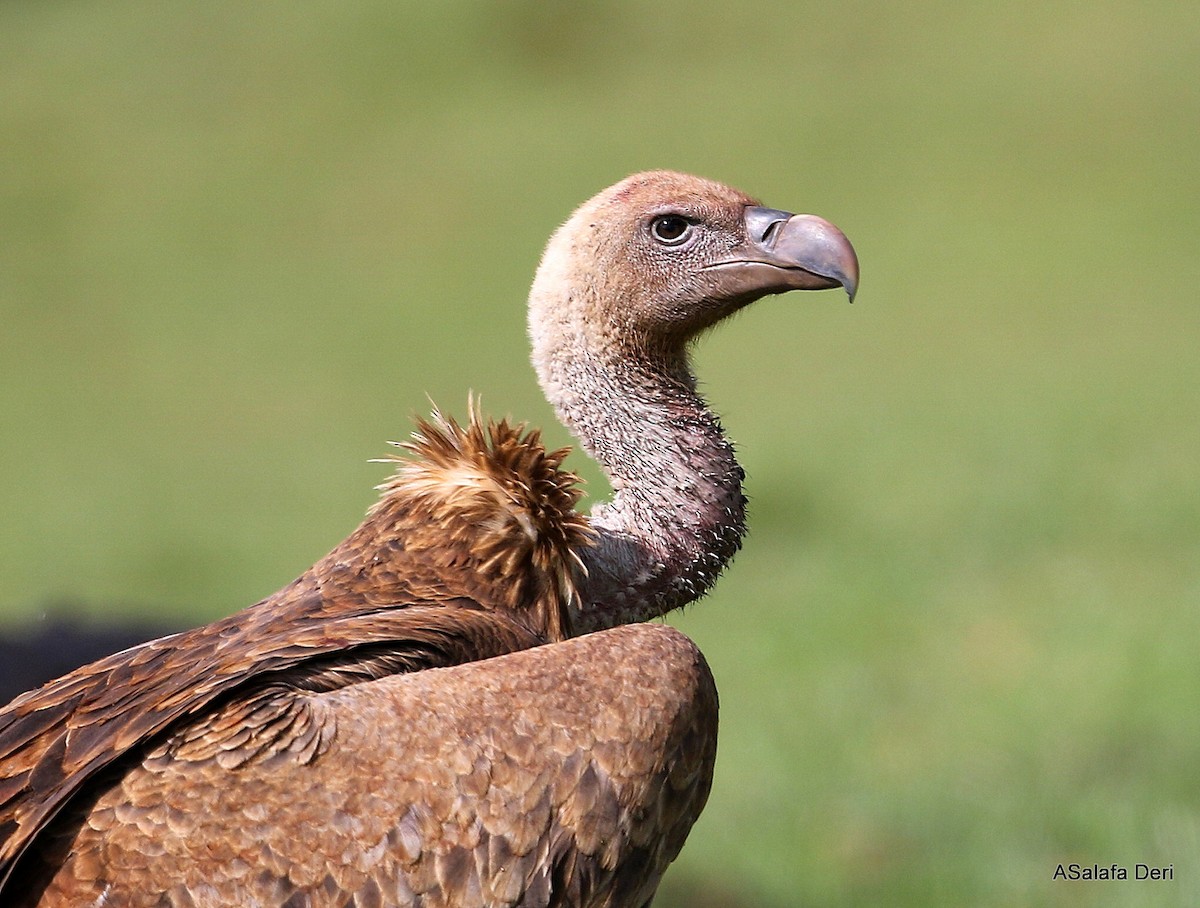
point(804, 244)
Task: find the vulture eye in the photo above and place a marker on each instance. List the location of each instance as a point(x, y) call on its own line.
point(671, 229)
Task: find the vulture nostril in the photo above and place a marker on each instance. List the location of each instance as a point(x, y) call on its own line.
point(769, 234)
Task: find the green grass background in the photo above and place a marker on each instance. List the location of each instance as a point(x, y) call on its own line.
point(240, 244)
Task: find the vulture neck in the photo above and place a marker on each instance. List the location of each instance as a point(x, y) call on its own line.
point(677, 515)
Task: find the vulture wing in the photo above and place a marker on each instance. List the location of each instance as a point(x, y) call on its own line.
point(564, 775)
point(54, 741)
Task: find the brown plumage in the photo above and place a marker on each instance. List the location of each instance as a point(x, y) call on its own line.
point(408, 723)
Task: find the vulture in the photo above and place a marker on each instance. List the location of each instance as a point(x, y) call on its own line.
point(459, 705)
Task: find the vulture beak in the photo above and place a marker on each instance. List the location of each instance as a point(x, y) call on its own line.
point(785, 251)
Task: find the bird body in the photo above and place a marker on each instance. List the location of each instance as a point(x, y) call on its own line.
point(453, 708)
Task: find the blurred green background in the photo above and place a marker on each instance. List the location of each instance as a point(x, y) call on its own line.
point(240, 244)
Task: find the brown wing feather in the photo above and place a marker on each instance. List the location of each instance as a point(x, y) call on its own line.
point(418, 585)
point(77, 737)
point(566, 775)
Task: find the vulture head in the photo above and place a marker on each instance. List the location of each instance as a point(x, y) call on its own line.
point(647, 264)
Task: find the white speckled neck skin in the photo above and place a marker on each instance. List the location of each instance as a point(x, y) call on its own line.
point(617, 373)
point(677, 514)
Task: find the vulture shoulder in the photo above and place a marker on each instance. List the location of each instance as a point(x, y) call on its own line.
point(470, 552)
point(566, 775)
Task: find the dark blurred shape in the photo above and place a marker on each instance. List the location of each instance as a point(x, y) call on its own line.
point(37, 652)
